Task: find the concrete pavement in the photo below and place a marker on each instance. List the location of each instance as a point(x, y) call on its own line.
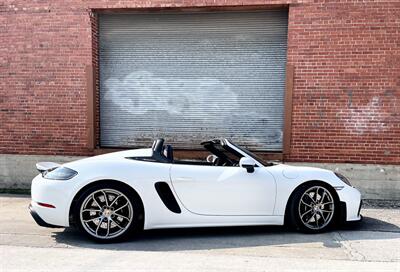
point(374, 245)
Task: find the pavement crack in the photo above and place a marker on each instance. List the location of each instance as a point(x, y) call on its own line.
point(350, 251)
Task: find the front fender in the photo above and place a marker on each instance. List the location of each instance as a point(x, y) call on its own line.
point(289, 178)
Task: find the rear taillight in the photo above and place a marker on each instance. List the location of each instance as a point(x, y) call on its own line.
point(46, 205)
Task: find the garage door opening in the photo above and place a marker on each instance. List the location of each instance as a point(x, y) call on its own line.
point(189, 77)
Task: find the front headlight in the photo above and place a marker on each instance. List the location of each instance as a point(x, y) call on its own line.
point(60, 173)
point(343, 178)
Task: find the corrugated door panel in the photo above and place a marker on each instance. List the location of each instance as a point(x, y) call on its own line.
point(190, 77)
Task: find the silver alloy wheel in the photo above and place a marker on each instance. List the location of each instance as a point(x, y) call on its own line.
point(106, 213)
point(316, 207)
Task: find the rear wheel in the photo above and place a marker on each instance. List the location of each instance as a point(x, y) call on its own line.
point(108, 213)
point(314, 208)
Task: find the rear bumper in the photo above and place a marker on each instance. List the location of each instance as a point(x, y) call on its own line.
point(39, 220)
point(51, 192)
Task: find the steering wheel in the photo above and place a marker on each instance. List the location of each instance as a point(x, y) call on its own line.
point(219, 161)
point(211, 159)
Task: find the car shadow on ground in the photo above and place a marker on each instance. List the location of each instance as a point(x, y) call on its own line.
point(234, 237)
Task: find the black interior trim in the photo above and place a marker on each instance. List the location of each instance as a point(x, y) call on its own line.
point(158, 151)
point(146, 159)
point(164, 154)
point(222, 153)
point(168, 152)
point(191, 162)
point(167, 197)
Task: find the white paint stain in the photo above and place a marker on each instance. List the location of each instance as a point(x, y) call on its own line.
point(171, 104)
point(365, 118)
point(142, 91)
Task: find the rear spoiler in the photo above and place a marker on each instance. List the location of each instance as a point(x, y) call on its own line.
point(46, 166)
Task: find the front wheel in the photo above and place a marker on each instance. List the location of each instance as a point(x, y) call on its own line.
point(314, 208)
point(108, 213)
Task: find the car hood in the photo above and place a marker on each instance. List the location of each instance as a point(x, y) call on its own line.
point(294, 172)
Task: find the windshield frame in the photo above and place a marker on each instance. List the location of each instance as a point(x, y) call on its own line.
point(247, 153)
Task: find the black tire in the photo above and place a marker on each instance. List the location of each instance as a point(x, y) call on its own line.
point(311, 219)
point(133, 208)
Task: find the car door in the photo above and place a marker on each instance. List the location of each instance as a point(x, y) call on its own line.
point(224, 190)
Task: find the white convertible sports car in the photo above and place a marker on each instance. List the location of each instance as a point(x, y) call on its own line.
point(111, 196)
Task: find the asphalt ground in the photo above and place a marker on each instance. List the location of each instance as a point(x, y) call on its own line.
point(372, 245)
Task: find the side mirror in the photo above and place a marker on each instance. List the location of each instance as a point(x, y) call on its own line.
point(247, 163)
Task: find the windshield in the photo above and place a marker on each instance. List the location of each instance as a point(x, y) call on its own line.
point(254, 156)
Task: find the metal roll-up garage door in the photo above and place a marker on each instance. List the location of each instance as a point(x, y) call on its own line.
point(189, 77)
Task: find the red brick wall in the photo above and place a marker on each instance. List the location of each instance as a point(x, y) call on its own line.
point(43, 53)
point(346, 96)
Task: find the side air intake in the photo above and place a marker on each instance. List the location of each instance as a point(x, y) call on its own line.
point(167, 197)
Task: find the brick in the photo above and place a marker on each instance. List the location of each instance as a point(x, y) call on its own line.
point(346, 55)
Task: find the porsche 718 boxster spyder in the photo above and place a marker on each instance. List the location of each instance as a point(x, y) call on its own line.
point(110, 197)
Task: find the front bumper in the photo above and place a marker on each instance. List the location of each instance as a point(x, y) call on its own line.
point(343, 213)
point(350, 204)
